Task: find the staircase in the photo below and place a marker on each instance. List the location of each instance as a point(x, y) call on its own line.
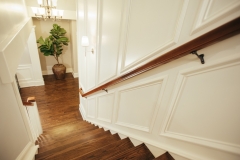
point(82, 140)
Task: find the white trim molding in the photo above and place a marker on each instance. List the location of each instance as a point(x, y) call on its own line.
point(75, 75)
point(179, 86)
point(203, 21)
point(26, 77)
point(49, 71)
point(28, 153)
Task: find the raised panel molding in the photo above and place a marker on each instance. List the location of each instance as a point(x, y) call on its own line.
point(155, 51)
point(110, 41)
point(91, 103)
point(105, 104)
point(144, 97)
point(181, 82)
point(204, 19)
point(24, 72)
point(90, 17)
point(26, 76)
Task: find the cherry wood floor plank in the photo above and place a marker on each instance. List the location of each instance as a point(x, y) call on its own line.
point(52, 138)
point(107, 151)
point(84, 148)
point(140, 152)
point(75, 139)
point(55, 99)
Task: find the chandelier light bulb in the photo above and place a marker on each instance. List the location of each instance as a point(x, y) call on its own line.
point(54, 12)
point(34, 10)
point(47, 10)
point(49, 2)
point(54, 3)
point(41, 11)
point(60, 12)
point(40, 2)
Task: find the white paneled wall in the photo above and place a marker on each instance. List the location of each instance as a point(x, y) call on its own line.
point(109, 35)
point(104, 107)
point(16, 137)
point(149, 33)
point(29, 69)
point(184, 107)
point(212, 12)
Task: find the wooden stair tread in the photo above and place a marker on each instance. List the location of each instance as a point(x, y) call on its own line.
point(62, 124)
point(84, 148)
point(66, 126)
point(140, 152)
point(165, 156)
point(75, 140)
point(52, 139)
point(55, 127)
point(107, 151)
point(66, 129)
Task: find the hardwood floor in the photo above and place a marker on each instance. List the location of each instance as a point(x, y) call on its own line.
point(57, 100)
point(66, 136)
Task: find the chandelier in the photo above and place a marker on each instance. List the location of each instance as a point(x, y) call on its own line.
point(47, 10)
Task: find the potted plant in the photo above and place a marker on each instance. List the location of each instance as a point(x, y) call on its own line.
point(53, 46)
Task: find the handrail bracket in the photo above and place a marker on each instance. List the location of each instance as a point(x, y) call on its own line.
point(105, 90)
point(201, 56)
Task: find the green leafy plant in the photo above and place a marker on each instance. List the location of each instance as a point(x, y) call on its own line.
point(53, 44)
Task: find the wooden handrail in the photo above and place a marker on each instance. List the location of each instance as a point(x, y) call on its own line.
point(223, 32)
point(29, 101)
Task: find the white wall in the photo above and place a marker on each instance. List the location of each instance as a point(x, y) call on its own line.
point(14, 136)
point(184, 107)
point(16, 139)
point(42, 29)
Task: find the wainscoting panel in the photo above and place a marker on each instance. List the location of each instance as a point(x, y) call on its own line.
point(26, 77)
point(24, 72)
point(91, 32)
point(109, 37)
point(212, 11)
point(202, 92)
point(91, 108)
point(140, 101)
point(145, 40)
point(105, 105)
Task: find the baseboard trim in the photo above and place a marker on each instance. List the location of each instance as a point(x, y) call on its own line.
point(28, 153)
point(75, 75)
point(26, 83)
point(49, 71)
